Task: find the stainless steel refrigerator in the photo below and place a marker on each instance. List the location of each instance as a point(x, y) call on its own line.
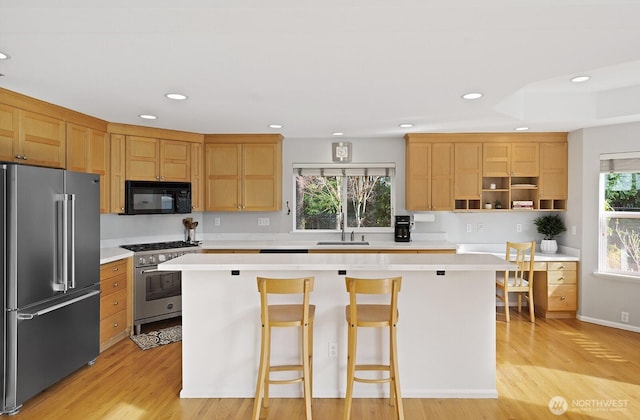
point(50, 267)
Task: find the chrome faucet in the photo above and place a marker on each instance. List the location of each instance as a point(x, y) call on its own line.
point(342, 226)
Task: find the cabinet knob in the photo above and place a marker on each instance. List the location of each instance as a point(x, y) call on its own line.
point(561, 279)
point(115, 303)
point(116, 268)
point(115, 325)
point(21, 157)
point(563, 298)
point(115, 284)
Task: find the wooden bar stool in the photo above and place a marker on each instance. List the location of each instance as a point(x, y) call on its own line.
point(373, 315)
point(294, 315)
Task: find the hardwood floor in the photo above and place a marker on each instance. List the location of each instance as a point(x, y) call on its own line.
point(590, 366)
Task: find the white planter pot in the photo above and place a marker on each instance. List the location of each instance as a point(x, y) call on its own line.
point(549, 246)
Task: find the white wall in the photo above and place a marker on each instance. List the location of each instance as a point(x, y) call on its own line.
point(601, 300)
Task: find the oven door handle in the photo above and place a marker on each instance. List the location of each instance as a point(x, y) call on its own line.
point(155, 270)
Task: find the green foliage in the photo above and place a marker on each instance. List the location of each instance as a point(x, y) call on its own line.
point(550, 226)
point(621, 192)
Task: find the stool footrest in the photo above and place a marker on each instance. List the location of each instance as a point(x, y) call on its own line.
point(282, 368)
point(373, 367)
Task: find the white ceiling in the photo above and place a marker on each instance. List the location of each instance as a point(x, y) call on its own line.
point(356, 66)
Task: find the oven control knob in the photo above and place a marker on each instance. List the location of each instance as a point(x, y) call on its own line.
point(170, 306)
point(152, 259)
point(142, 260)
point(162, 257)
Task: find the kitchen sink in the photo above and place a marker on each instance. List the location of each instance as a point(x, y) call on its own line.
point(340, 243)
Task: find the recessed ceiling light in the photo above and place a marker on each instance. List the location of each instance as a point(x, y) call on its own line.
point(522, 128)
point(406, 125)
point(148, 117)
point(176, 96)
point(3, 56)
point(337, 133)
point(275, 125)
point(580, 79)
point(472, 95)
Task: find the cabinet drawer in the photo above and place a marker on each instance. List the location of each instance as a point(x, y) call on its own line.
point(561, 277)
point(562, 298)
point(113, 325)
point(562, 265)
point(112, 303)
point(113, 284)
point(113, 269)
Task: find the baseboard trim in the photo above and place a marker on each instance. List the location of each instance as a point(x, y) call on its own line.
point(606, 323)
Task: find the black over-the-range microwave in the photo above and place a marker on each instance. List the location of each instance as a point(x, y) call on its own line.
point(157, 197)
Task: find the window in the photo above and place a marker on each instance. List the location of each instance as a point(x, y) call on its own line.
point(620, 214)
point(362, 193)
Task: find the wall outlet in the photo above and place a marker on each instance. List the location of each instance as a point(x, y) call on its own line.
point(480, 227)
point(519, 227)
point(469, 228)
point(574, 230)
point(216, 221)
point(333, 349)
point(263, 221)
point(624, 316)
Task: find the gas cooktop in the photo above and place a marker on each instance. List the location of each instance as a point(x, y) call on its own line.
point(157, 246)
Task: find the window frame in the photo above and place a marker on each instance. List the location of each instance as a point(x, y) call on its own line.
point(391, 167)
point(604, 216)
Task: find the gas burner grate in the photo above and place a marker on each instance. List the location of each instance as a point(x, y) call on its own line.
point(157, 246)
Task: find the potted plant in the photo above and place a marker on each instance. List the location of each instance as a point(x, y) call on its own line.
point(549, 226)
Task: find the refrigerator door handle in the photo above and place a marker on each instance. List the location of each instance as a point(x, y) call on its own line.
point(31, 315)
point(62, 251)
point(71, 280)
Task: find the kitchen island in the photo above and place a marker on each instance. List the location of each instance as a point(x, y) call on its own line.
point(446, 331)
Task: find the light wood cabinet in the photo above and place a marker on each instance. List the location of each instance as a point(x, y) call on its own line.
point(555, 290)
point(88, 151)
point(115, 305)
point(150, 159)
point(553, 176)
point(117, 173)
point(9, 133)
point(31, 138)
point(243, 172)
point(429, 175)
point(468, 176)
point(197, 177)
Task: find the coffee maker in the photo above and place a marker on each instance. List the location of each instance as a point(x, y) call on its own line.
point(402, 229)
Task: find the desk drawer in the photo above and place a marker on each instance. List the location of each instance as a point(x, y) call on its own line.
point(113, 269)
point(562, 298)
point(562, 265)
point(561, 277)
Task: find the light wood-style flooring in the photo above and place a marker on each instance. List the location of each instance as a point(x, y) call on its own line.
point(590, 366)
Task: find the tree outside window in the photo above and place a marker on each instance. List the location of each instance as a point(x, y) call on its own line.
point(620, 226)
point(322, 200)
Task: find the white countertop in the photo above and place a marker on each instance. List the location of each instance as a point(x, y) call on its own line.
point(108, 255)
point(280, 244)
point(332, 262)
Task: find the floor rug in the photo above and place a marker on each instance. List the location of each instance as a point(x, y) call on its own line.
point(158, 338)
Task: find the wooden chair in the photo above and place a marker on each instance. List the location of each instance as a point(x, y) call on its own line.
point(373, 315)
point(293, 315)
point(520, 280)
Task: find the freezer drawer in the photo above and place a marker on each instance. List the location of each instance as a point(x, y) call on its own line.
point(54, 344)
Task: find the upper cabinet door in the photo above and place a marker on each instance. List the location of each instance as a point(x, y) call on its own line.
point(261, 177)
point(223, 184)
point(175, 161)
point(42, 140)
point(442, 176)
point(418, 176)
point(142, 159)
point(496, 159)
point(554, 171)
point(197, 177)
point(468, 171)
point(78, 147)
point(525, 160)
point(9, 120)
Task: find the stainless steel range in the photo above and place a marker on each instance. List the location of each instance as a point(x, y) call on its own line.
point(157, 294)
